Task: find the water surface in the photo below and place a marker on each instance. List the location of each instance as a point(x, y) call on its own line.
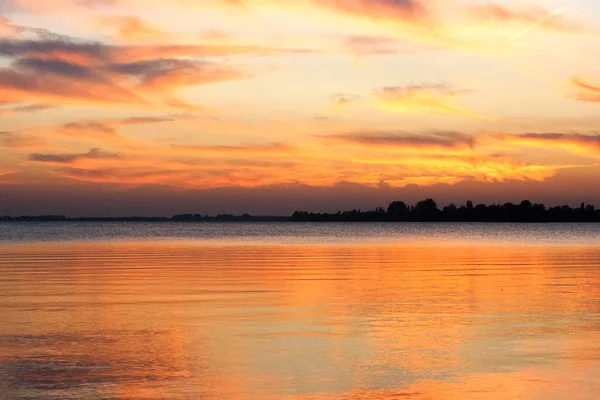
point(375, 316)
point(304, 232)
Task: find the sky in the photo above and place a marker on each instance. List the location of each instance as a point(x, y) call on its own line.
point(149, 107)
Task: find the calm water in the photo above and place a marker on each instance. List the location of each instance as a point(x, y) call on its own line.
point(299, 311)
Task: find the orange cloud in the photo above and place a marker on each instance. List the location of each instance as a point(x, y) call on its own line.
point(411, 10)
point(314, 173)
point(530, 15)
point(585, 89)
point(67, 71)
point(134, 29)
point(7, 28)
point(381, 161)
point(376, 45)
point(587, 145)
point(131, 28)
point(16, 141)
point(421, 98)
point(245, 150)
point(124, 176)
point(106, 131)
point(25, 108)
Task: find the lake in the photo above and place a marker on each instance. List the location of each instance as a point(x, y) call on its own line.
point(299, 311)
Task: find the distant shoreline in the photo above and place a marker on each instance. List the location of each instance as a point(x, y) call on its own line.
point(398, 211)
point(61, 218)
point(269, 220)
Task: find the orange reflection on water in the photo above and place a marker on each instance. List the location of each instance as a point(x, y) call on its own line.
point(234, 321)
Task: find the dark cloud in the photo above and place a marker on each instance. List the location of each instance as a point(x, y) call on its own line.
point(143, 68)
point(56, 67)
point(559, 136)
point(20, 86)
point(49, 47)
point(71, 158)
point(173, 71)
point(401, 139)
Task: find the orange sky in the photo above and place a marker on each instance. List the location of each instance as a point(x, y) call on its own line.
point(109, 107)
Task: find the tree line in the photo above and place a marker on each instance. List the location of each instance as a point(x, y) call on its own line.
point(423, 211)
point(428, 211)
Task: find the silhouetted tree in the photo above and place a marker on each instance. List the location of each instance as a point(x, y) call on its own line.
point(426, 210)
point(398, 211)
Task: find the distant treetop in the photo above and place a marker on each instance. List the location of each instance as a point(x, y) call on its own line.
point(428, 210)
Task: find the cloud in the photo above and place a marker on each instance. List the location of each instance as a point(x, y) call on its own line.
point(377, 45)
point(107, 131)
point(7, 28)
point(421, 98)
point(370, 8)
point(148, 66)
point(343, 100)
point(375, 158)
point(42, 6)
point(236, 166)
point(532, 16)
point(243, 150)
point(15, 141)
point(64, 83)
point(71, 158)
point(411, 10)
point(450, 24)
point(22, 86)
point(587, 145)
point(585, 89)
point(175, 74)
point(125, 176)
point(134, 29)
point(66, 71)
point(24, 108)
point(57, 68)
point(400, 140)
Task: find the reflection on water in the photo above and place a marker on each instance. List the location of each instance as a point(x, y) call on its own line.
point(176, 320)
